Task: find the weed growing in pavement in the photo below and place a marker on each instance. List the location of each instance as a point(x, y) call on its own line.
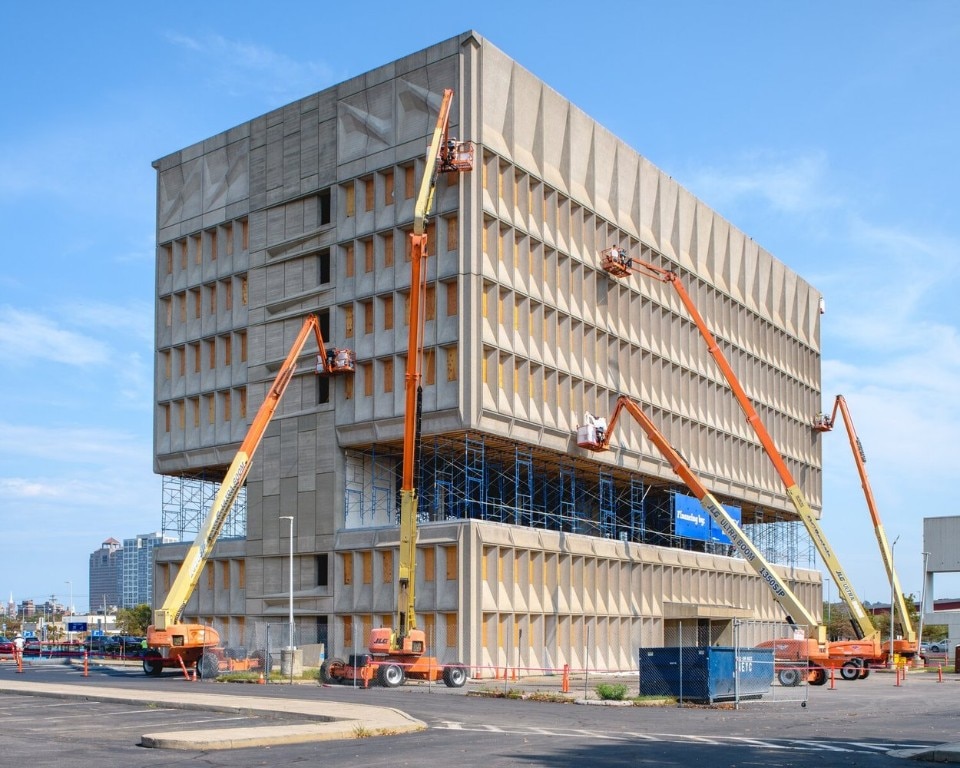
point(359, 732)
point(611, 691)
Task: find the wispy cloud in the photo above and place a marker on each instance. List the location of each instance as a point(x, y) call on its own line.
point(242, 68)
point(28, 336)
point(787, 183)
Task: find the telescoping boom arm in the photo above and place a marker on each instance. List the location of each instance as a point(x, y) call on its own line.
point(859, 457)
point(862, 625)
point(443, 154)
point(185, 583)
point(796, 613)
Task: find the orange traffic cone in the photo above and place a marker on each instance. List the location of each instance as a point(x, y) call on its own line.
point(261, 681)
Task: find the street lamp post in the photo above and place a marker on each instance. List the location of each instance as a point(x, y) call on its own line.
point(923, 599)
point(290, 518)
point(69, 609)
point(893, 610)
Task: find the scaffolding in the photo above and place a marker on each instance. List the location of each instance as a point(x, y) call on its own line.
point(484, 477)
point(186, 502)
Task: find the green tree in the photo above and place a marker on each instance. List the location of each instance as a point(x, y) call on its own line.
point(134, 621)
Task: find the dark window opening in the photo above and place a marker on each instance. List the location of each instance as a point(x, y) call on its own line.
point(323, 207)
point(323, 567)
point(323, 266)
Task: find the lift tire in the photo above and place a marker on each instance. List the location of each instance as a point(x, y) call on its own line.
point(153, 664)
point(208, 667)
point(850, 669)
point(789, 677)
point(864, 672)
point(264, 661)
point(329, 670)
point(818, 676)
point(455, 675)
point(390, 675)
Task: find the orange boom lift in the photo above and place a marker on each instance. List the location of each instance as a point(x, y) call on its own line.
point(397, 652)
point(171, 644)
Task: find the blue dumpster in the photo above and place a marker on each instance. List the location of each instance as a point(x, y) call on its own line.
point(706, 674)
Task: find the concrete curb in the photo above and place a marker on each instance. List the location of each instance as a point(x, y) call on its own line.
point(334, 720)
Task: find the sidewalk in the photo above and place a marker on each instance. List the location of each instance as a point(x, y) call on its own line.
point(334, 720)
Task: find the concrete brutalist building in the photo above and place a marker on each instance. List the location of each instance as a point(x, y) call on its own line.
point(531, 549)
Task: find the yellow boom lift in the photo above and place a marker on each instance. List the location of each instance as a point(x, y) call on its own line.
point(907, 645)
point(172, 644)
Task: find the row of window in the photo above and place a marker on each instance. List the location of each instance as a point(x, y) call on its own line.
point(219, 574)
point(204, 246)
point(211, 353)
point(211, 408)
point(190, 303)
point(364, 562)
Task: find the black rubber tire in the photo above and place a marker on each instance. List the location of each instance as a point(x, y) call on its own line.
point(152, 664)
point(208, 667)
point(850, 669)
point(864, 673)
point(818, 676)
point(789, 677)
point(391, 675)
point(328, 671)
point(455, 675)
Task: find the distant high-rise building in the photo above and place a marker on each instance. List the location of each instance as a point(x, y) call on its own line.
point(105, 575)
point(136, 568)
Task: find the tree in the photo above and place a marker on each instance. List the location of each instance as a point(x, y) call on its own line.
point(134, 621)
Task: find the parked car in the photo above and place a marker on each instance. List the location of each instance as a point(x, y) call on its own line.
point(939, 646)
point(6, 646)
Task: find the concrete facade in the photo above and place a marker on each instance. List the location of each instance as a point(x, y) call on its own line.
point(307, 210)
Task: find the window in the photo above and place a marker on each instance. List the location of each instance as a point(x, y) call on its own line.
point(367, 317)
point(242, 336)
point(452, 299)
point(430, 303)
point(451, 621)
point(388, 188)
point(347, 568)
point(430, 366)
point(323, 566)
point(387, 574)
point(367, 369)
point(451, 355)
point(409, 182)
point(429, 564)
point(388, 249)
point(166, 255)
point(226, 405)
point(243, 290)
point(166, 308)
point(211, 408)
point(227, 350)
point(323, 207)
point(212, 298)
point(165, 410)
point(183, 253)
point(347, 631)
point(451, 558)
point(211, 353)
point(368, 256)
point(197, 302)
point(452, 233)
point(388, 375)
point(227, 295)
point(210, 580)
point(323, 389)
point(242, 398)
point(225, 574)
point(182, 361)
point(348, 260)
point(323, 267)
point(348, 322)
point(212, 235)
point(244, 234)
point(388, 313)
point(195, 402)
point(368, 194)
point(228, 237)
point(349, 200)
point(366, 560)
point(197, 245)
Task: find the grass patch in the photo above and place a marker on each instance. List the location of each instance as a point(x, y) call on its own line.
point(611, 691)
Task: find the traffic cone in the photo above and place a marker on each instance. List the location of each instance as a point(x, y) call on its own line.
point(261, 679)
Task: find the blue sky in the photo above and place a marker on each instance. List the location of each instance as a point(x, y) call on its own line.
point(826, 131)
